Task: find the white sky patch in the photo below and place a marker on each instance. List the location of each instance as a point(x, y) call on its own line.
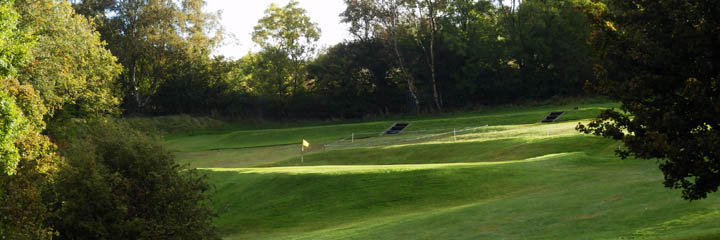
point(240, 16)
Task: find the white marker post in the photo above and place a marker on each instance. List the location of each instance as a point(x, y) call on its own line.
point(454, 135)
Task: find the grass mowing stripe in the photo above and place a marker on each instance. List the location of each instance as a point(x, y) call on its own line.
point(500, 149)
point(230, 138)
point(488, 151)
point(357, 169)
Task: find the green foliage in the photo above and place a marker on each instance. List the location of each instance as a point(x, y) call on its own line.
point(13, 124)
point(200, 86)
point(286, 31)
point(360, 14)
point(461, 53)
point(152, 40)
point(14, 44)
point(354, 77)
point(24, 179)
point(26, 156)
point(548, 42)
point(13, 127)
point(409, 56)
point(70, 66)
point(267, 73)
point(479, 70)
point(394, 22)
point(119, 183)
point(659, 60)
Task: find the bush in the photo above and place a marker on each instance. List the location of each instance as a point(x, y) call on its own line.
point(119, 183)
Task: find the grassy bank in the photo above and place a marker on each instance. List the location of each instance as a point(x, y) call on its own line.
point(517, 179)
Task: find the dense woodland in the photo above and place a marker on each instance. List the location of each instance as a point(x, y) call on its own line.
point(405, 57)
point(68, 67)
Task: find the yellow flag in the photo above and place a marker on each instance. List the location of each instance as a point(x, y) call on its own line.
point(305, 143)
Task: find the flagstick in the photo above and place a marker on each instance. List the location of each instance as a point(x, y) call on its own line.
point(302, 153)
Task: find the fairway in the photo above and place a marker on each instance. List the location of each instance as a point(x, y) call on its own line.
point(507, 177)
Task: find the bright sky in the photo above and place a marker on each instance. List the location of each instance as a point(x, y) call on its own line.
point(240, 16)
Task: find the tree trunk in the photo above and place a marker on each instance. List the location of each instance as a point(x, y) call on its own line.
point(431, 61)
point(391, 22)
point(133, 85)
point(408, 77)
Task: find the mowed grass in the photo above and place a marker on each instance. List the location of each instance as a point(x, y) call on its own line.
point(518, 183)
point(203, 148)
point(564, 197)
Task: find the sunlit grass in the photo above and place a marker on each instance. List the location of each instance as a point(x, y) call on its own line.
point(327, 133)
point(360, 169)
point(514, 179)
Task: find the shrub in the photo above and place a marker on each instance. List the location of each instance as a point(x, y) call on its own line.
point(119, 183)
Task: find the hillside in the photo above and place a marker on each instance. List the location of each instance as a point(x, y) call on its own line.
point(509, 178)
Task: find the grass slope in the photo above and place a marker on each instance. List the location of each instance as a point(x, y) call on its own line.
point(571, 196)
point(515, 183)
point(233, 146)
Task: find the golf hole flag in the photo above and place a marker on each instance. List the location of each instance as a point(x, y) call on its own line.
point(305, 143)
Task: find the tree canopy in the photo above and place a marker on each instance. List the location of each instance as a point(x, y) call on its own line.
point(660, 60)
point(152, 39)
point(55, 70)
point(287, 31)
point(69, 63)
point(13, 123)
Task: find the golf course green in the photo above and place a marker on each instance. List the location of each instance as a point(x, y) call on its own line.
point(510, 177)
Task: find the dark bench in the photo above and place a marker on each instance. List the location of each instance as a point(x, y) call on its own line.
point(551, 117)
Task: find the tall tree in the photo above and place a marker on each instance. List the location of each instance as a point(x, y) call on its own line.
point(25, 154)
point(471, 30)
point(68, 66)
point(149, 37)
point(547, 40)
point(69, 63)
point(266, 73)
point(425, 17)
point(389, 19)
point(354, 76)
point(14, 43)
point(288, 29)
point(361, 15)
point(26, 171)
point(660, 60)
point(14, 46)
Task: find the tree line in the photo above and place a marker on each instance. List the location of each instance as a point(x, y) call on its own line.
point(405, 56)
